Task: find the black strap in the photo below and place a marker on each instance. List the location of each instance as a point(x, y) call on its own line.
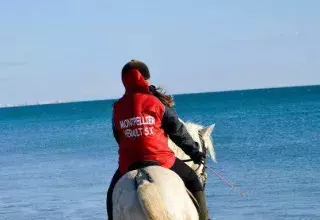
point(138, 180)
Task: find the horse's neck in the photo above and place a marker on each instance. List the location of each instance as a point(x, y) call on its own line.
point(177, 150)
point(179, 153)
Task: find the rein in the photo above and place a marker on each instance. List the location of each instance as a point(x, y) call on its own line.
point(203, 172)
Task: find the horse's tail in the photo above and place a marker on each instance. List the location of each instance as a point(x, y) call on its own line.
point(149, 197)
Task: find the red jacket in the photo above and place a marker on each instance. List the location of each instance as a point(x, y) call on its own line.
point(141, 125)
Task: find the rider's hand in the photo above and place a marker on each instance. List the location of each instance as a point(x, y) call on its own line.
point(198, 158)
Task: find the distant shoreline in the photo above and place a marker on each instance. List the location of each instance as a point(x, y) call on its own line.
point(174, 94)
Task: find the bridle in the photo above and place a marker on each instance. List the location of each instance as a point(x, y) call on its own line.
point(203, 175)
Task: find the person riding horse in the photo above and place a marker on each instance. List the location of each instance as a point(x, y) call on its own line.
point(142, 120)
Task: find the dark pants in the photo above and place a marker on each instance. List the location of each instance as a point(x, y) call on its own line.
point(187, 174)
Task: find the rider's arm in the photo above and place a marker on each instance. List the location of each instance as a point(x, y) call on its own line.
point(115, 133)
point(114, 130)
point(178, 133)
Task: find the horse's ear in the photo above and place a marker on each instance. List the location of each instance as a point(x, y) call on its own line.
point(207, 130)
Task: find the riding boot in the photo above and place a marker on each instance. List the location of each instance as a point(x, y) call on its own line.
point(201, 198)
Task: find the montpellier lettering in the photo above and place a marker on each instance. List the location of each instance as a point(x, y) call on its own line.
point(137, 121)
point(138, 126)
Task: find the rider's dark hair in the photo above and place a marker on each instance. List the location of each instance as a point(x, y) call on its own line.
point(158, 92)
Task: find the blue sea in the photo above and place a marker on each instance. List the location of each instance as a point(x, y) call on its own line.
point(56, 161)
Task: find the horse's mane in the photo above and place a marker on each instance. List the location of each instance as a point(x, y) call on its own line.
point(193, 130)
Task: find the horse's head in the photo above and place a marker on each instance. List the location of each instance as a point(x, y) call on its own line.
point(202, 135)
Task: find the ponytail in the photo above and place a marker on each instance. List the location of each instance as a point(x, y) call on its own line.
point(158, 92)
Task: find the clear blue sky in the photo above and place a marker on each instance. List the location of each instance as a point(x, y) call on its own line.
point(75, 49)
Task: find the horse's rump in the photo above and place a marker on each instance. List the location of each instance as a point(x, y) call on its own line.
point(152, 192)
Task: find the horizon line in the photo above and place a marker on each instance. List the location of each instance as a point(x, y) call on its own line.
point(173, 94)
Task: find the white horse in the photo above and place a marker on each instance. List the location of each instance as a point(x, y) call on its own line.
point(157, 193)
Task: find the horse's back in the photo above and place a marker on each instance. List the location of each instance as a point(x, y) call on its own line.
point(173, 195)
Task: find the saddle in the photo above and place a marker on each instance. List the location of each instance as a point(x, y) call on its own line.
point(143, 164)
